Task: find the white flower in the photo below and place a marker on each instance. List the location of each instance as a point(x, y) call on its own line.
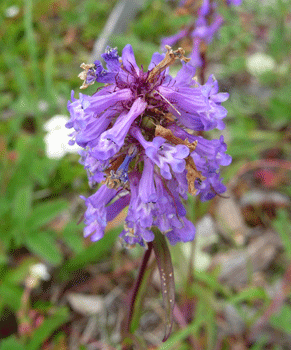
point(39, 271)
point(260, 63)
point(12, 11)
point(57, 138)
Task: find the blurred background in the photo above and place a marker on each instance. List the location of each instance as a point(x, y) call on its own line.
point(233, 283)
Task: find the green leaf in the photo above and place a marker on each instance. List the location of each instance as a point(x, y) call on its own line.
point(22, 204)
point(5, 206)
point(41, 170)
point(93, 253)
point(18, 274)
point(165, 266)
point(73, 238)
point(47, 328)
point(177, 337)
point(212, 282)
point(44, 245)
point(16, 67)
point(10, 295)
point(44, 213)
point(282, 226)
point(211, 328)
point(282, 320)
point(249, 294)
point(11, 343)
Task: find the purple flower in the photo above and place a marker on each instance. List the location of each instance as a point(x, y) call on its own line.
point(163, 154)
point(112, 139)
point(203, 31)
point(172, 40)
point(147, 187)
point(233, 2)
point(184, 234)
point(208, 156)
point(166, 212)
point(206, 26)
point(95, 168)
point(119, 127)
point(139, 218)
point(96, 213)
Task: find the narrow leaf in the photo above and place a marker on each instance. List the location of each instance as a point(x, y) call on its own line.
point(73, 238)
point(44, 245)
point(22, 203)
point(177, 337)
point(10, 295)
point(281, 224)
point(11, 343)
point(282, 319)
point(47, 328)
point(44, 213)
point(249, 294)
point(93, 253)
point(166, 271)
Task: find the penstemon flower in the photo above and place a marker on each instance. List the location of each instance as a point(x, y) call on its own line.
point(233, 2)
point(201, 31)
point(139, 139)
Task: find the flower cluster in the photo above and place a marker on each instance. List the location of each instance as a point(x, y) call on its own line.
point(202, 31)
point(138, 139)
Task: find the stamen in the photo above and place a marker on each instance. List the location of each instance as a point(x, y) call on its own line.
point(83, 75)
point(120, 176)
point(167, 101)
point(169, 59)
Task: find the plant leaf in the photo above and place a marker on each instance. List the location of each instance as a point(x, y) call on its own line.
point(45, 212)
point(165, 266)
point(47, 328)
point(11, 295)
point(251, 293)
point(22, 204)
point(11, 343)
point(95, 252)
point(282, 319)
point(44, 245)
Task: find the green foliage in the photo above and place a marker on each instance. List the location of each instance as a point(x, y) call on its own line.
point(282, 225)
point(249, 294)
point(11, 343)
point(176, 339)
point(47, 328)
point(45, 246)
point(282, 320)
point(92, 254)
point(279, 112)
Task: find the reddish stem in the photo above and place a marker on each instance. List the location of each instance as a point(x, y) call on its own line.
point(136, 286)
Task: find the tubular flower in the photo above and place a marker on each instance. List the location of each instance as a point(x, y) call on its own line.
point(135, 144)
point(200, 31)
